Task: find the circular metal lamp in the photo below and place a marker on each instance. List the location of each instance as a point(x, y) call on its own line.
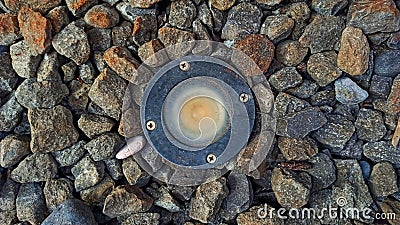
point(199, 113)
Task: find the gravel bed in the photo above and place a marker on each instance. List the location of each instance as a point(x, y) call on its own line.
point(333, 66)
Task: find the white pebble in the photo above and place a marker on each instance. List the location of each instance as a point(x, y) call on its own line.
point(133, 145)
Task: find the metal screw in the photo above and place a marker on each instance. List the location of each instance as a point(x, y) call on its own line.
point(211, 158)
point(184, 66)
point(151, 125)
point(244, 97)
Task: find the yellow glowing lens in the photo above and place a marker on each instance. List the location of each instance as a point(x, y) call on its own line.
point(201, 117)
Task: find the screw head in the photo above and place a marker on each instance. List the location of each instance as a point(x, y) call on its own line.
point(244, 97)
point(184, 66)
point(151, 125)
point(211, 158)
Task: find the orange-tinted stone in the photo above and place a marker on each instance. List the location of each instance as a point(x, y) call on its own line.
point(102, 16)
point(41, 6)
point(35, 29)
point(259, 49)
point(9, 30)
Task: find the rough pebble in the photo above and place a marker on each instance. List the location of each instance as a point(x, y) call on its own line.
point(72, 42)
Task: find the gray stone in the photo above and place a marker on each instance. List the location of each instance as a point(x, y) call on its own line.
point(380, 86)
point(58, 18)
point(240, 195)
point(287, 104)
point(164, 199)
point(70, 155)
point(320, 201)
point(318, 38)
point(93, 125)
point(348, 92)
point(87, 73)
point(323, 67)
point(291, 190)
point(8, 194)
point(300, 12)
point(30, 204)
point(24, 61)
point(277, 28)
point(290, 53)
point(114, 168)
point(243, 19)
point(323, 172)
point(35, 168)
point(131, 170)
point(10, 114)
point(23, 127)
point(71, 211)
point(99, 39)
point(8, 78)
point(72, 42)
point(79, 95)
point(305, 90)
point(251, 216)
point(381, 151)
point(104, 146)
point(172, 36)
point(208, 199)
point(87, 173)
point(204, 15)
point(352, 149)
point(285, 78)
point(45, 94)
point(391, 206)
point(78, 8)
point(394, 41)
point(126, 200)
point(125, 65)
point(57, 191)
point(97, 194)
point(330, 7)
point(107, 92)
point(383, 180)
point(121, 35)
point(142, 218)
point(48, 68)
point(386, 63)
point(145, 29)
point(8, 217)
point(370, 125)
point(219, 18)
point(297, 149)
point(12, 149)
point(130, 13)
point(374, 16)
point(182, 14)
point(350, 183)
point(69, 69)
point(52, 129)
point(299, 124)
point(335, 133)
point(323, 98)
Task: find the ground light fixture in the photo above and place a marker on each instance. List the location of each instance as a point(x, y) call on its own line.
point(203, 108)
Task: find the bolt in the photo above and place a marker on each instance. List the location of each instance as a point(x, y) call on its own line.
point(184, 66)
point(244, 97)
point(151, 125)
point(211, 158)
